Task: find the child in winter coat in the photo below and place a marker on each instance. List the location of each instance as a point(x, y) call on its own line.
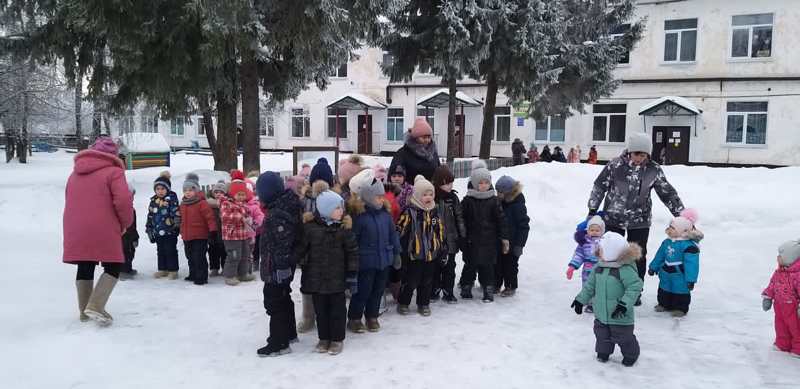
point(328, 254)
point(390, 190)
point(444, 277)
point(784, 291)
point(677, 264)
point(533, 154)
point(163, 221)
point(614, 285)
point(236, 224)
point(509, 191)
point(587, 237)
point(422, 241)
point(282, 228)
point(197, 226)
point(487, 233)
point(398, 178)
point(216, 246)
point(130, 241)
point(378, 249)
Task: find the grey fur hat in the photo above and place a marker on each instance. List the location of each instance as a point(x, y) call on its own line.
point(639, 142)
point(479, 173)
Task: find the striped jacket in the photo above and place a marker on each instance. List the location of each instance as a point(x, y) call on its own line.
point(421, 233)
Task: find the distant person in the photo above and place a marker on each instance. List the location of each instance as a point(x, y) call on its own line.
point(545, 156)
point(558, 155)
point(574, 155)
point(533, 154)
point(518, 152)
point(592, 155)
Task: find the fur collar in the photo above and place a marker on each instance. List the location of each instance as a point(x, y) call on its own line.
point(356, 206)
point(629, 257)
point(515, 192)
point(318, 187)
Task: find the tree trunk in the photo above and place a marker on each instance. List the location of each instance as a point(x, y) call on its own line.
point(250, 115)
point(97, 100)
point(208, 125)
point(22, 140)
point(78, 110)
point(487, 131)
point(225, 156)
point(452, 147)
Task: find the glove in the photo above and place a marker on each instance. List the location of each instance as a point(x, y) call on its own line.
point(398, 262)
point(352, 283)
point(651, 272)
point(690, 285)
point(766, 304)
point(517, 251)
point(619, 312)
point(578, 306)
point(443, 260)
point(570, 271)
point(592, 212)
point(506, 246)
point(283, 276)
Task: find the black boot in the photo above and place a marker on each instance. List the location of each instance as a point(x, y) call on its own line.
point(488, 294)
point(271, 350)
point(435, 295)
point(628, 362)
point(466, 292)
point(602, 357)
point(449, 297)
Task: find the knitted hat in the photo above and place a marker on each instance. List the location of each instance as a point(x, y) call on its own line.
point(305, 171)
point(505, 184)
point(442, 176)
point(321, 171)
point(397, 170)
point(640, 142)
point(789, 252)
point(327, 202)
point(613, 245)
point(269, 186)
point(596, 220)
point(479, 173)
point(193, 177)
point(163, 180)
point(366, 186)
point(106, 145)
point(349, 168)
point(220, 186)
point(380, 172)
point(421, 186)
point(238, 184)
point(421, 128)
point(294, 182)
point(191, 184)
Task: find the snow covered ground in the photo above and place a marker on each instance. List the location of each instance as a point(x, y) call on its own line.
point(171, 334)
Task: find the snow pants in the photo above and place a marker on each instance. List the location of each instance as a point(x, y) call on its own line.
point(418, 275)
point(331, 312)
point(129, 250)
point(674, 301)
point(195, 251)
point(609, 335)
point(367, 300)
point(216, 254)
point(167, 249)
point(280, 309)
point(787, 327)
point(485, 273)
point(444, 277)
point(506, 271)
point(237, 263)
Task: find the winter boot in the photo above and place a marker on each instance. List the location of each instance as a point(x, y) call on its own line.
point(335, 348)
point(508, 292)
point(678, 314)
point(214, 273)
point(424, 310)
point(659, 308)
point(173, 275)
point(84, 292)
point(323, 346)
point(449, 297)
point(403, 309)
point(466, 292)
point(373, 325)
point(96, 307)
point(247, 278)
point(271, 350)
point(435, 295)
point(602, 358)
point(308, 319)
point(394, 287)
point(231, 281)
point(628, 362)
point(188, 278)
point(356, 326)
point(160, 274)
point(488, 294)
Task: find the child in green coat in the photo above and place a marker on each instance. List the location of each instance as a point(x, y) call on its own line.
point(614, 284)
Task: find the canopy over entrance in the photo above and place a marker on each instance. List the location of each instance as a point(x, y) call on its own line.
point(441, 99)
point(670, 106)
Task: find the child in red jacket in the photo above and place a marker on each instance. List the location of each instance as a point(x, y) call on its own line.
point(197, 225)
point(784, 290)
point(237, 223)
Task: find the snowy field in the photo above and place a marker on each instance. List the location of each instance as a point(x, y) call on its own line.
point(172, 334)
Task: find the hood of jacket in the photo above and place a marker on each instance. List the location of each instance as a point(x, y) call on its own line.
point(628, 257)
point(90, 161)
point(356, 206)
point(514, 195)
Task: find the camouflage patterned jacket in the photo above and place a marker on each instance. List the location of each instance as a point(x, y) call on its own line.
point(625, 190)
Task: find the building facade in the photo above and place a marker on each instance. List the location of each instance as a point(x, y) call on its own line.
point(711, 81)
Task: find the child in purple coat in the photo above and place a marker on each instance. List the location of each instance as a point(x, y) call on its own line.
point(587, 237)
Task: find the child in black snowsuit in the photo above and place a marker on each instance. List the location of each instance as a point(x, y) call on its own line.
point(510, 192)
point(130, 240)
point(444, 276)
point(216, 246)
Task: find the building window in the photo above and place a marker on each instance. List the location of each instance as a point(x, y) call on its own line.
point(341, 72)
point(150, 123)
point(332, 121)
point(267, 128)
point(680, 40)
point(176, 126)
point(395, 130)
point(609, 122)
point(126, 125)
point(617, 34)
point(551, 129)
point(751, 36)
point(747, 123)
point(428, 114)
point(201, 128)
point(388, 60)
point(502, 124)
point(301, 123)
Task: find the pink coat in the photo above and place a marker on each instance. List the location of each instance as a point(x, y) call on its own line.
point(784, 286)
point(258, 217)
point(97, 210)
point(784, 290)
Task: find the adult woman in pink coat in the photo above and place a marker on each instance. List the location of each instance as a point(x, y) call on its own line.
point(97, 211)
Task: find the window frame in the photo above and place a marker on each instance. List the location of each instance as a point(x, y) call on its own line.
point(150, 124)
point(172, 126)
point(267, 128)
point(624, 27)
point(607, 116)
point(497, 118)
point(745, 116)
point(306, 120)
point(336, 73)
point(395, 119)
point(549, 139)
point(749, 27)
point(677, 60)
point(328, 117)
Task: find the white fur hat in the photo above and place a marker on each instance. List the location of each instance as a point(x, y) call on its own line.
point(612, 245)
point(640, 142)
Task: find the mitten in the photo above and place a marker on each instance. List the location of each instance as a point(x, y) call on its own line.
point(690, 285)
point(506, 246)
point(443, 260)
point(570, 271)
point(352, 282)
point(619, 312)
point(283, 276)
point(135, 244)
point(517, 251)
point(766, 304)
point(398, 262)
point(578, 306)
point(651, 272)
point(592, 212)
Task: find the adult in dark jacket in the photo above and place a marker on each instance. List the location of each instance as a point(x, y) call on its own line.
point(418, 155)
point(282, 227)
point(546, 156)
point(558, 155)
point(444, 277)
point(624, 187)
point(510, 192)
point(518, 152)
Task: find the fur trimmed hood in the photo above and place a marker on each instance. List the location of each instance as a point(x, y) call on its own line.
point(628, 257)
point(356, 206)
point(515, 192)
point(347, 221)
point(317, 187)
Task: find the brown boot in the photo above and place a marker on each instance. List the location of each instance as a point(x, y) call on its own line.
point(84, 288)
point(172, 275)
point(355, 326)
point(323, 346)
point(394, 287)
point(96, 307)
point(160, 274)
point(373, 325)
point(232, 281)
point(308, 319)
point(335, 348)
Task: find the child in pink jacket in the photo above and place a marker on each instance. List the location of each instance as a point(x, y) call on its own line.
point(784, 292)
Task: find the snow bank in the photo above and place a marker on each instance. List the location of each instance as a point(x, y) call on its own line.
point(144, 142)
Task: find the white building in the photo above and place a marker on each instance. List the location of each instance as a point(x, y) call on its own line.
point(712, 82)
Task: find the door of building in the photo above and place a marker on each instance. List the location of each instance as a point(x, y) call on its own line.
point(459, 136)
point(365, 134)
point(671, 145)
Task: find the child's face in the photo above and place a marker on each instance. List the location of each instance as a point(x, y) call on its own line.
point(219, 195)
point(427, 198)
point(484, 186)
point(189, 193)
point(595, 231)
point(672, 232)
point(161, 191)
point(240, 197)
point(446, 188)
point(337, 214)
point(398, 179)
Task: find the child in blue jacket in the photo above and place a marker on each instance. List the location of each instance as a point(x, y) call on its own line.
point(677, 264)
point(587, 237)
point(163, 226)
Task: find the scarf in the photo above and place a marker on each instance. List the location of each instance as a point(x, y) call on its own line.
point(193, 200)
point(481, 195)
point(419, 205)
point(426, 152)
